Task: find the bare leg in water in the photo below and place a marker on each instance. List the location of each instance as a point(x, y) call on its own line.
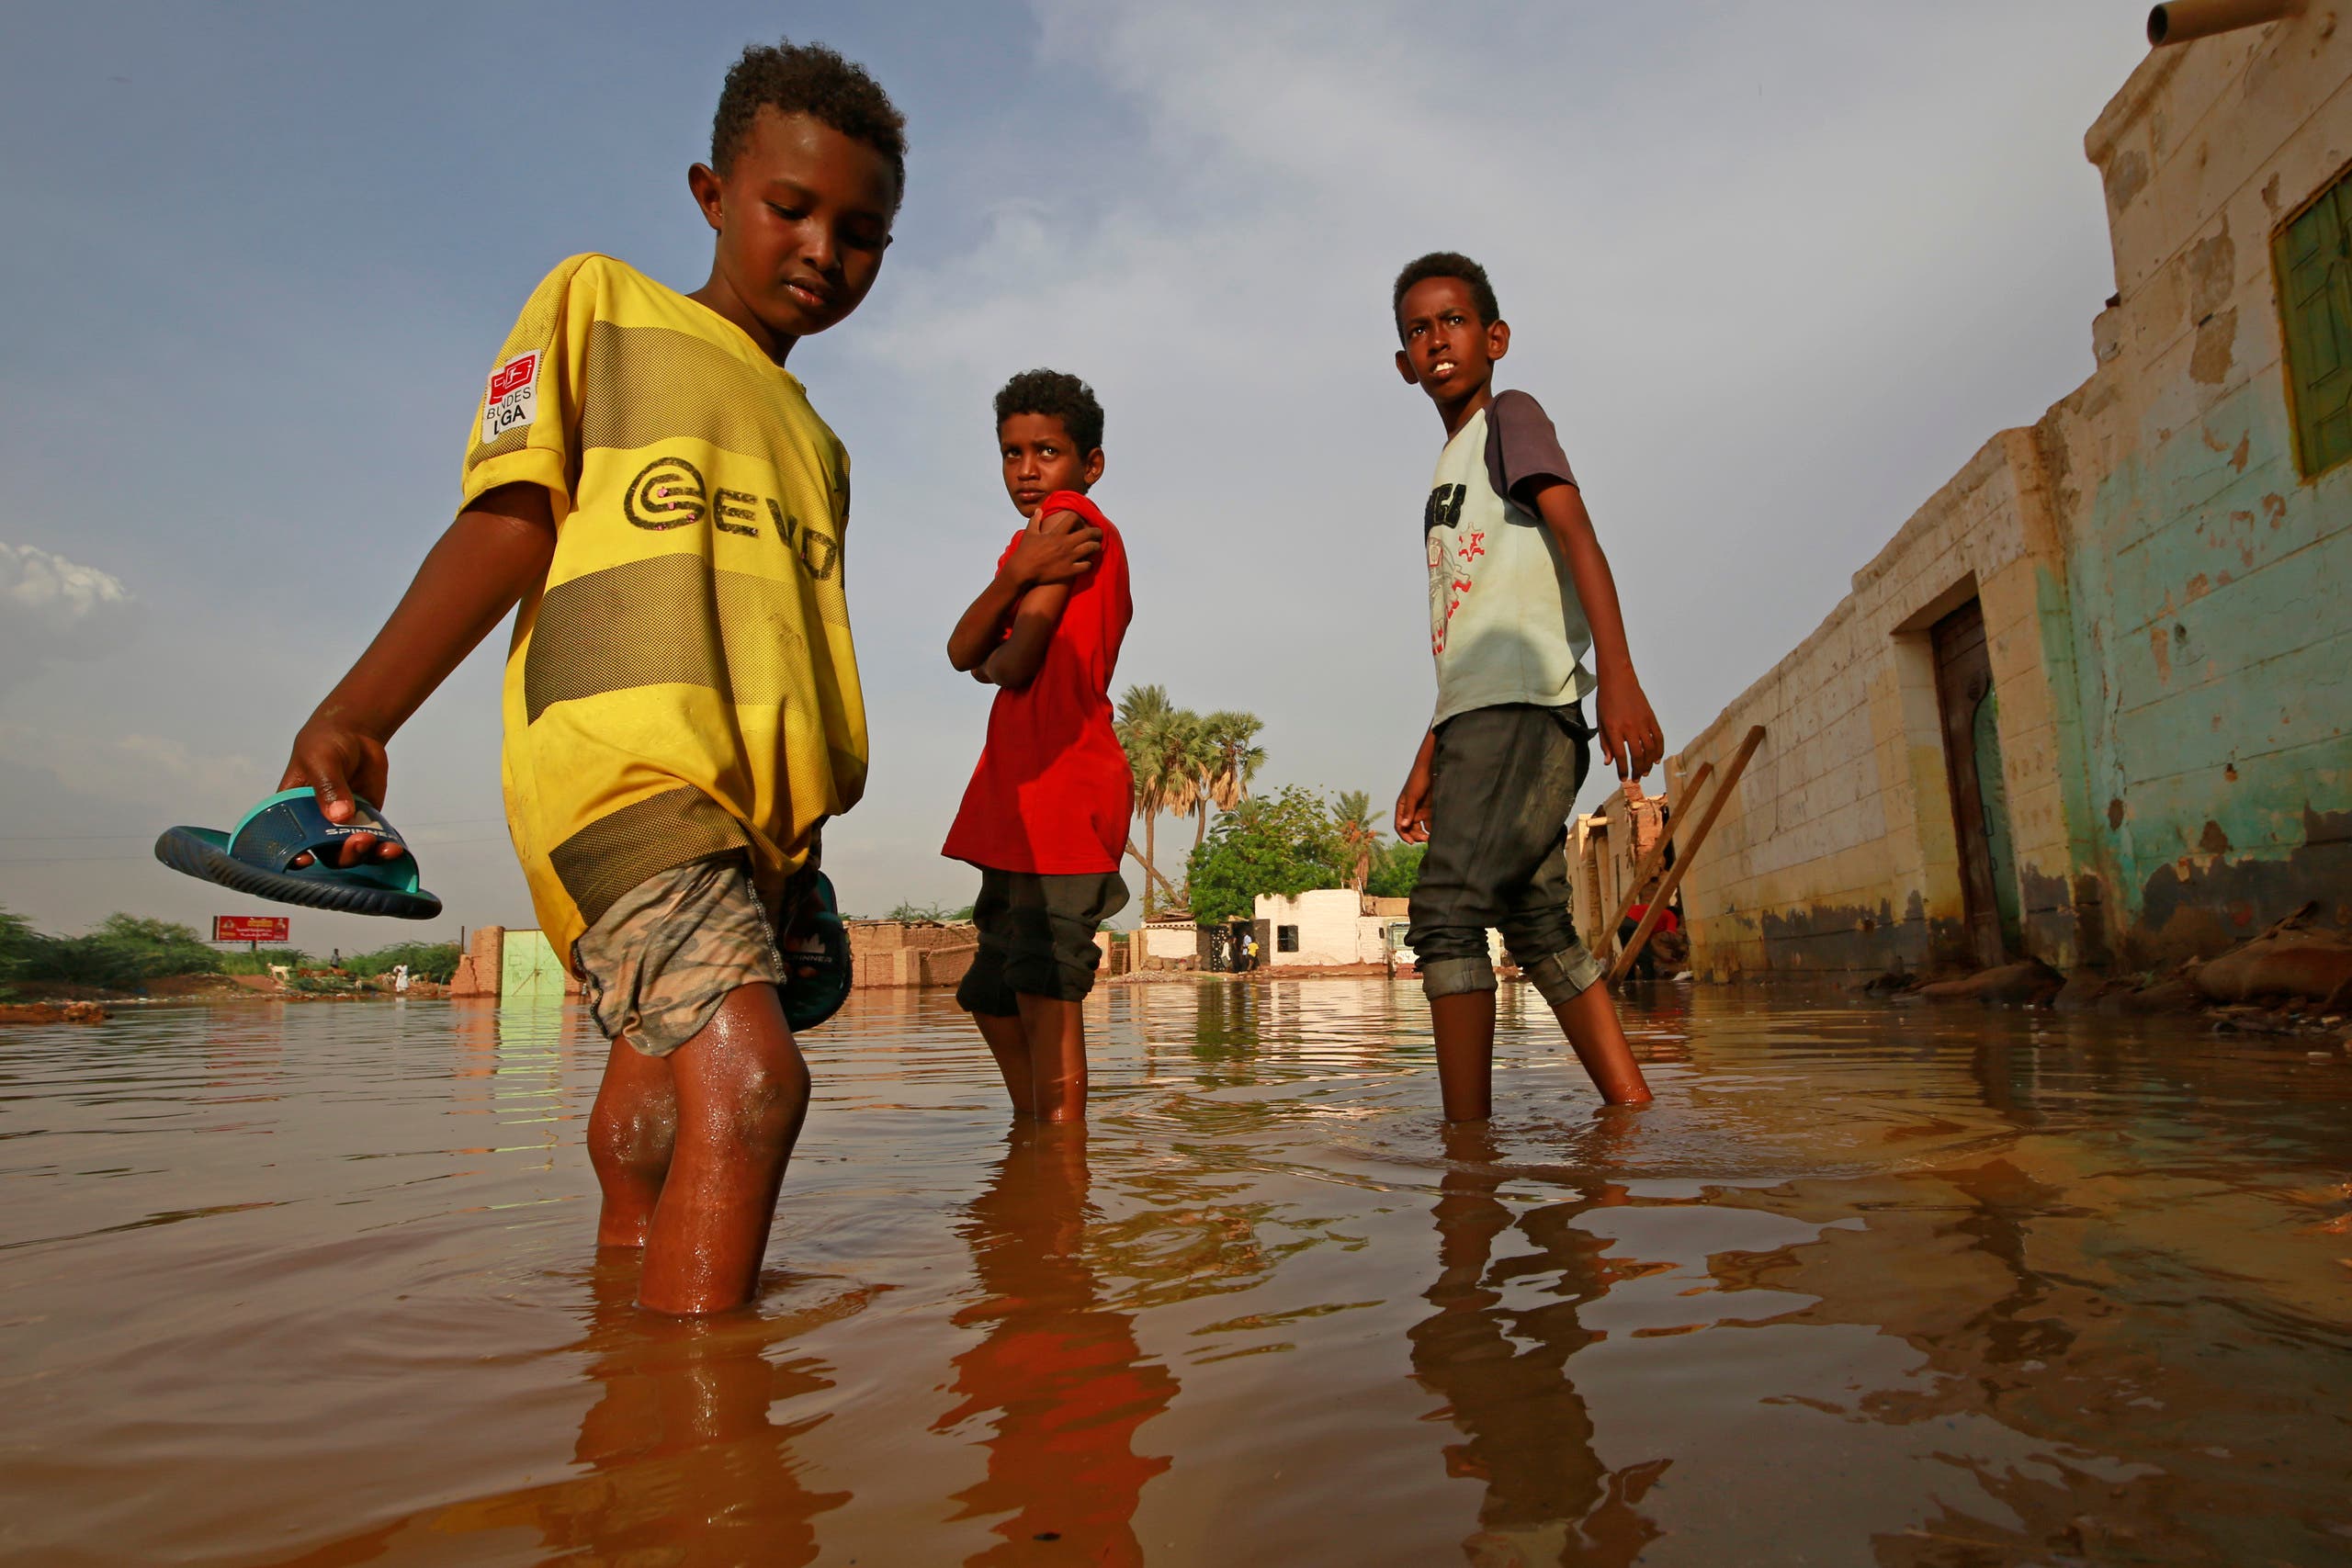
point(1042, 1055)
point(690, 1150)
point(1464, 1024)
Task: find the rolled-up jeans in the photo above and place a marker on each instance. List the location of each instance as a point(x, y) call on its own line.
point(1503, 783)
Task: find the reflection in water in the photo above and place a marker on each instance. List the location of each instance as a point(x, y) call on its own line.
point(685, 1462)
point(1502, 1371)
point(288, 1283)
point(1059, 1373)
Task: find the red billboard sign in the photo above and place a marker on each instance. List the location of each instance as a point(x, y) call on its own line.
point(252, 927)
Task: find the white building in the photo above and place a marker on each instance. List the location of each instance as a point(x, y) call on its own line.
point(1328, 926)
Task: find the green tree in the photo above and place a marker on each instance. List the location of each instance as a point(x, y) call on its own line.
point(1281, 844)
point(1395, 871)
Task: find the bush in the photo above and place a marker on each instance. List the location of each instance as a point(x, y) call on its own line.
point(258, 963)
point(435, 961)
point(911, 913)
point(123, 953)
point(20, 945)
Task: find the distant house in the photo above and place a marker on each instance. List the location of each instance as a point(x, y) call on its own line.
point(1328, 926)
point(1173, 938)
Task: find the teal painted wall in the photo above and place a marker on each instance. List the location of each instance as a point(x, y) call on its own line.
point(2211, 591)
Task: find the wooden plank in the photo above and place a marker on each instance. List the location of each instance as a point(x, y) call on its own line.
point(1674, 876)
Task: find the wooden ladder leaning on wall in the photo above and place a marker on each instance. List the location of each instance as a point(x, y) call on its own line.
point(1684, 854)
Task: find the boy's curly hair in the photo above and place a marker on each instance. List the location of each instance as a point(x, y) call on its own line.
point(1059, 394)
point(1447, 264)
point(806, 78)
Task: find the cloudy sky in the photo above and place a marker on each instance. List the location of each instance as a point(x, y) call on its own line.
point(1777, 270)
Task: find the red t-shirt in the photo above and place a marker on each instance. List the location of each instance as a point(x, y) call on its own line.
point(1052, 793)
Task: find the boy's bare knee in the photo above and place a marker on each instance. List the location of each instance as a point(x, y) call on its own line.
point(767, 1098)
point(637, 1139)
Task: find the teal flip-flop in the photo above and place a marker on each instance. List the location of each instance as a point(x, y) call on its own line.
point(257, 857)
point(810, 1000)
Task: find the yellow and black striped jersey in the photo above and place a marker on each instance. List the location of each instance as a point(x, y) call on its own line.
point(685, 685)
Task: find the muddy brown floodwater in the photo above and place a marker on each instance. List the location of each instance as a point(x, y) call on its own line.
point(315, 1285)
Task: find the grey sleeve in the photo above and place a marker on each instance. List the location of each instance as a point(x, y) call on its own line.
point(1521, 445)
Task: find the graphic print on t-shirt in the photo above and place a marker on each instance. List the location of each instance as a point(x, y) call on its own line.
point(1451, 557)
point(1505, 625)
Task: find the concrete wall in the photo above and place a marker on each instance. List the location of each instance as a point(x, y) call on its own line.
point(1171, 941)
point(911, 952)
point(2165, 602)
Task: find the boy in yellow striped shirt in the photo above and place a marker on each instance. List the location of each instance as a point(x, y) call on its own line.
point(647, 481)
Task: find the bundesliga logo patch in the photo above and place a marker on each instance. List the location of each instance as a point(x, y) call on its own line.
point(514, 400)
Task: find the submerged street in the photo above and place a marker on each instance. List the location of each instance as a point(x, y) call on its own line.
point(315, 1284)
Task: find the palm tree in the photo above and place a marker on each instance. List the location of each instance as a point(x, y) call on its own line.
point(1359, 834)
point(1160, 739)
point(1199, 761)
point(1232, 761)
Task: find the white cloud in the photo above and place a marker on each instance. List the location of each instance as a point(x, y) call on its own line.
point(1775, 272)
point(54, 590)
point(52, 608)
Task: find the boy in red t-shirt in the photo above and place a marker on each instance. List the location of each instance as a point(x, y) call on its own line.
point(1046, 815)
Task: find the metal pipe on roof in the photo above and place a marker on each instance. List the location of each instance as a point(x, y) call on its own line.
point(2177, 22)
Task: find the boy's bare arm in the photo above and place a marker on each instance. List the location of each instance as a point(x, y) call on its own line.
point(1413, 800)
point(495, 552)
point(1630, 737)
point(1017, 659)
point(1056, 548)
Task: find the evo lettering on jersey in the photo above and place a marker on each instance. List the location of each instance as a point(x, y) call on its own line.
point(514, 400)
point(667, 493)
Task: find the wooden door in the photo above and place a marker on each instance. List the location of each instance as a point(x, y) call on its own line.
point(1963, 686)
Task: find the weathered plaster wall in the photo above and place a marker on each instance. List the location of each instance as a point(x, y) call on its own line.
point(2166, 601)
point(2211, 581)
point(1835, 852)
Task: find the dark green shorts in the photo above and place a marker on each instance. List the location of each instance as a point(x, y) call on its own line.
point(1037, 938)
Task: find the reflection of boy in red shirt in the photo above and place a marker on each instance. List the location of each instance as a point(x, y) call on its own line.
point(1046, 815)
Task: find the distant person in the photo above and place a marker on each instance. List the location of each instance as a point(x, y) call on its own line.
point(1249, 951)
point(1669, 923)
point(1518, 592)
point(1045, 817)
point(682, 702)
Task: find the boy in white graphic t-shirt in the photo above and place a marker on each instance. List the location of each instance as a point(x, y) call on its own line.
point(1518, 592)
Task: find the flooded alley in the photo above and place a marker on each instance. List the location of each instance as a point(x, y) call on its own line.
point(313, 1285)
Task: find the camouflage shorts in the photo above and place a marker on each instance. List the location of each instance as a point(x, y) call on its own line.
point(663, 957)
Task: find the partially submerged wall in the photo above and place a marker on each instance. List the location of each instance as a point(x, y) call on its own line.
point(2164, 596)
point(1835, 851)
